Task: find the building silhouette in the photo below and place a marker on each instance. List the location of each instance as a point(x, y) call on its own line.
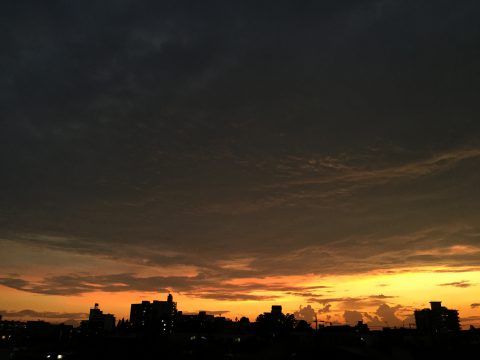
point(437, 320)
point(98, 322)
point(275, 321)
point(155, 315)
point(276, 309)
point(274, 335)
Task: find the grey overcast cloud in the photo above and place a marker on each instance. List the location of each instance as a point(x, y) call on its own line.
point(192, 146)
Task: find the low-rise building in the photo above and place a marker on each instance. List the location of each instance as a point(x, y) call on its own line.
point(98, 322)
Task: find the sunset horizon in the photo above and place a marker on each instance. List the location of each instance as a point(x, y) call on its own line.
point(319, 155)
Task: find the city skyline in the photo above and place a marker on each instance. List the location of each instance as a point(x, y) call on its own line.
point(148, 315)
point(321, 155)
point(384, 317)
point(158, 328)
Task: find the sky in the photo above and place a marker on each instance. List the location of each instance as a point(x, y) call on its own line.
point(322, 155)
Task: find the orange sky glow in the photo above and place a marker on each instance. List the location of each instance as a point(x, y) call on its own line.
point(409, 288)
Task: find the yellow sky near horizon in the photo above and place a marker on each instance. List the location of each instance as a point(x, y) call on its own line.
point(408, 289)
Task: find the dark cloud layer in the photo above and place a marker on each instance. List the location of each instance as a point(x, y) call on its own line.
point(207, 286)
point(308, 137)
point(27, 313)
point(352, 303)
point(459, 284)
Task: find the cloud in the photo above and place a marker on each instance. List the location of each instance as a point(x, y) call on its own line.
point(209, 312)
point(342, 179)
point(386, 316)
point(370, 177)
point(74, 284)
point(217, 312)
point(459, 284)
point(350, 303)
point(27, 313)
point(180, 159)
point(202, 285)
point(352, 317)
point(325, 309)
point(475, 305)
point(215, 282)
point(381, 296)
point(306, 313)
point(14, 282)
point(221, 296)
point(415, 249)
point(469, 319)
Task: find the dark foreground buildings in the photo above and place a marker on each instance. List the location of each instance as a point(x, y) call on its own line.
point(437, 320)
point(156, 315)
point(98, 323)
point(274, 335)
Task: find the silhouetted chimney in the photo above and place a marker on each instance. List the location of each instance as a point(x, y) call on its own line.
point(436, 305)
point(276, 309)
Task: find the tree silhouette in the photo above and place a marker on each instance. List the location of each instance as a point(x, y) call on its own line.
point(276, 322)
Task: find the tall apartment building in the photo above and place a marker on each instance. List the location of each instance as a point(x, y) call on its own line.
point(437, 320)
